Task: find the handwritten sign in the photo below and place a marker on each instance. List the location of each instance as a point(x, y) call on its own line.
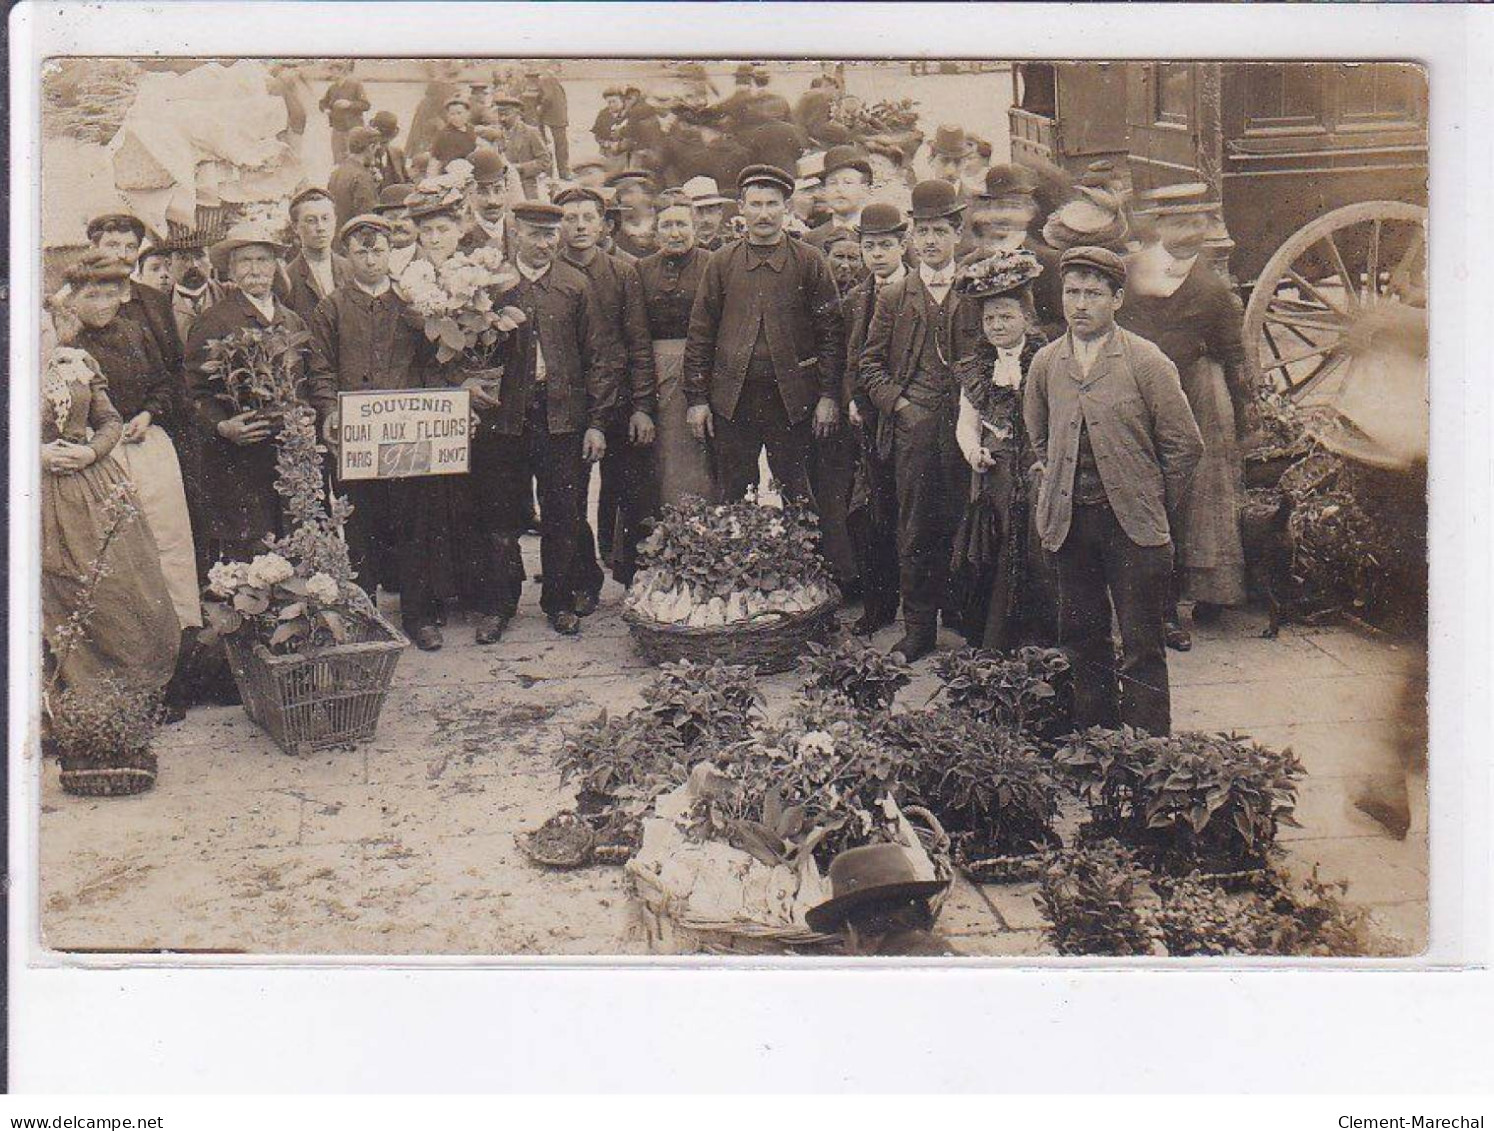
point(397, 435)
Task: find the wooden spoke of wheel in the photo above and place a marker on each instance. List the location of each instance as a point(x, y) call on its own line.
point(1284, 363)
point(1338, 264)
point(1317, 294)
point(1324, 369)
point(1298, 321)
point(1372, 270)
point(1399, 282)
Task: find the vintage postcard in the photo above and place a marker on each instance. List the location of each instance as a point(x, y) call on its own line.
point(680, 506)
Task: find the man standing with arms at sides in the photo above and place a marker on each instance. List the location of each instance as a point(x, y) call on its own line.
point(353, 187)
point(627, 468)
point(316, 270)
point(907, 369)
point(1115, 445)
point(873, 525)
point(765, 346)
point(559, 391)
point(344, 104)
point(522, 145)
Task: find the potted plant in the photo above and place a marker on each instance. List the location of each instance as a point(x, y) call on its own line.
point(1030, 689)
point(312, 656)
point(865, 677)
point(102, 735)
point(741, 582)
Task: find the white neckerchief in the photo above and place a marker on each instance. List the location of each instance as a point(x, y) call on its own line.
point(1007, 372)
point(265, 306)
point(1086, 352)
point(938, 282)
point(533, 274)
point(494, 232)
point(375, 292)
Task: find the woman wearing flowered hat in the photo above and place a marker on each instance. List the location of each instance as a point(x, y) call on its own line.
point(1003, 608)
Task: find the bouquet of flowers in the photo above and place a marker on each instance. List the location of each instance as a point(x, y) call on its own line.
point(258, 369)
point(709, 566)
point(457, 305)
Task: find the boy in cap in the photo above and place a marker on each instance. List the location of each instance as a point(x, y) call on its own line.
point(1115, 445)
point(873, 523)
point(558, 394)
point(626, 492)
point(361, 340)
point(764, 352)
point(353, 187)
point(455, 140)
point(916, 338)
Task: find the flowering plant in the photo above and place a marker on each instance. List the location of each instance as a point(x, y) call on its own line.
point(884, 117)
point(300, 594)
point(457, 305)
point(257, 369)
point(708, 565)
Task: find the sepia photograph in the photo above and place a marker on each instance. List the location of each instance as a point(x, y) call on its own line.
point(766, 508)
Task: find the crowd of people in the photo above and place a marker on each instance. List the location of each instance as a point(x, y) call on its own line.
point(1016, 404)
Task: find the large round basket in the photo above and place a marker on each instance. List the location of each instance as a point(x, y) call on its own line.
point(116, 776)
point(314, 700)
point(772, 642)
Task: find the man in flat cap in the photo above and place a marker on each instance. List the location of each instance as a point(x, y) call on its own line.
point(352, 185)
point(361, 340)
point(1115, 445)
point(344, 103)
point(625, 498)
point(317, 269)
point(916, 338)
point(521, 144)
point(558, 395)
point(455, 140)
point(847, 180)
point(765, 347)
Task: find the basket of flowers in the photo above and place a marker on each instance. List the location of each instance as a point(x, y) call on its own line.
point(311, 655)
point(102, 735)
point(743, 583)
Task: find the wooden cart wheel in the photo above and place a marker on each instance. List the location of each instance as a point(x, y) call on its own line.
point(1345, 271)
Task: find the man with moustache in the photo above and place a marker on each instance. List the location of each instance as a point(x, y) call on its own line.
point(765, 349)
point(846, 184)
point(709, 211)
point(907, 369)
point(522, 145)
point(491, 194)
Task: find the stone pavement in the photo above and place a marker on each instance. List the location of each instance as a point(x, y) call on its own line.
point(406, 845)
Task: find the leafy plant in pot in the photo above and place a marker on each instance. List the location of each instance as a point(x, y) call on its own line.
point(865, 677)
point(102, 734)
point(1189, 801)
point(1030, 689)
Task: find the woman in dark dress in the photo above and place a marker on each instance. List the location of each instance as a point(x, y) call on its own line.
point(1177, 300)
point(1003, 609)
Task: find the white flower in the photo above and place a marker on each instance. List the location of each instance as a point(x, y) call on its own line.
point(225, 578)
point(322, 587)
point(269, 569)
point(817, 742)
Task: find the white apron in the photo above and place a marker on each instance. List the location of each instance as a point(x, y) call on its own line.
point(152, 466)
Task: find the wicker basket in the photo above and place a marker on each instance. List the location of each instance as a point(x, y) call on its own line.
point(772, 642)
point(117, 776)
point(313, 700)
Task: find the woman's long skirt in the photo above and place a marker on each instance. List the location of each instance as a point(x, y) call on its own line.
point(131, 631)
point(684, 462)
point(1211, 558)
point(153, 468)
